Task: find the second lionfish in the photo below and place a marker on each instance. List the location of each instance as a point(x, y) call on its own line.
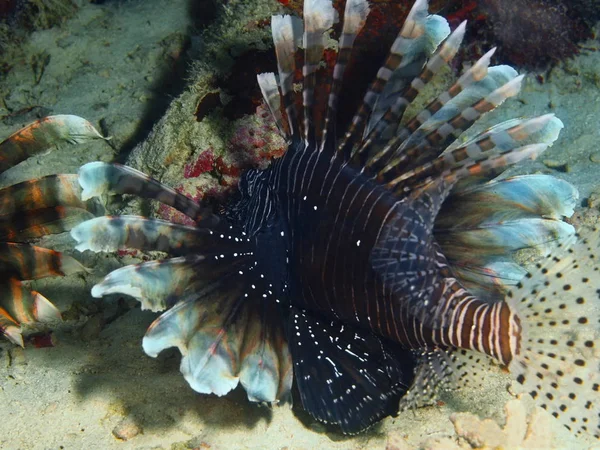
point(369, 265)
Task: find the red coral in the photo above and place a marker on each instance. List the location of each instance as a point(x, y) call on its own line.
point(204, 163)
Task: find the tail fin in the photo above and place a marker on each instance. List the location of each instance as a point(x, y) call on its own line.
point(557, 361)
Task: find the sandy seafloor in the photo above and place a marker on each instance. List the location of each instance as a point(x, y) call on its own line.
point(110, 64)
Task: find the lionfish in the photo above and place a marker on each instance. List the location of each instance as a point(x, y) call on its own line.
point(33, 209)
point(373, 266)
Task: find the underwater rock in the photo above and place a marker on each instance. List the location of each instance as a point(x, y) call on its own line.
point(212, 131)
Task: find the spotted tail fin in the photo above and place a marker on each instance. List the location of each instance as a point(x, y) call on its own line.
point(43, 134)
point(557, 358)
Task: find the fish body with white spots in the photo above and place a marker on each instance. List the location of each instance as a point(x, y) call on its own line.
point(368, 265)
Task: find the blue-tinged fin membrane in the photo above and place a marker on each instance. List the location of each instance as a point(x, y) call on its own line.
point(345, 375)
point(496, 77)
point(266, 368)
point(157, 285)
point(207, 336)
point(107, 234)
point(479, 243)
point(510, 199)
point(227, 333)
point(547, 132)
point(99, 178)
point(415, 52)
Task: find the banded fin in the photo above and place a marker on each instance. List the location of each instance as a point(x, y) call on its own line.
point(10, 329)
point(441, 370)
point(355, 16)
point(319, 17)
point(287, 37)
point(46, 192)
point(383, 130)
point(97, 178)
point(224, 339)
point(43, 134)
point(159, 285)
point(28, 262)
point(111, 233)
point(557, 358)
point(510, 199)
point(19, 305)
point(269, 89)
point(425, 147)
point(419, 36)
point(346, 376)
point(30, 224)
point(487, 154)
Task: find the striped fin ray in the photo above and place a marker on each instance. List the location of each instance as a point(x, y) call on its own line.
point(476, 73)
point(270, 92)
point(10, 329)
point(227, 334)
point(420, 33)
point(287, 36)
point(383, 130)
point(500, 148)
point(26, 225)
point(108, 233)
point(509, 199)
point(457, 115)
point(476, 247)
point(43, 134)
point(355, 16)
point(443, 370)
point(397, 149)
point(319, 17)
point(46, 192)
point(28, 262)
point(97, 178)
point(556, 360)
point(158, 285)
point(481, 228)
point(19, 305)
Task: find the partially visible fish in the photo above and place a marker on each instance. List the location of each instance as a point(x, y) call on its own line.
point(376, 260)
point(33, 209)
